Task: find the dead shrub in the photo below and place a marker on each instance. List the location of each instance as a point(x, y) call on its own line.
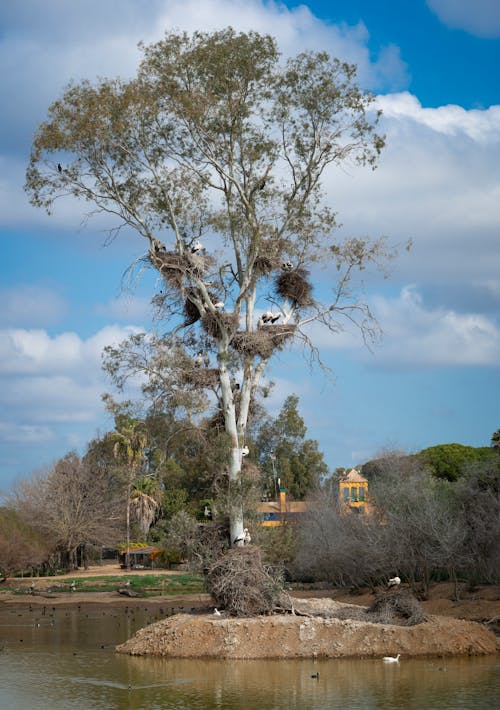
point(241, 584)
point(399, 607)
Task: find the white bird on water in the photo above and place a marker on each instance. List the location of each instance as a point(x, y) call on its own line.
point(394, 582)
point(391, 659)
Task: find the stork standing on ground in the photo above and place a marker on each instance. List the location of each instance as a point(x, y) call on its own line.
point(394, 582)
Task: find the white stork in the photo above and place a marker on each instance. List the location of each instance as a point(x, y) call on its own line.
point(394, 582)
point(197, 246)
point(270, 317)
point(391, 659)
point(244, 538)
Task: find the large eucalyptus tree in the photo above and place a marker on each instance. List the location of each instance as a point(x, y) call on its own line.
point(218, 139)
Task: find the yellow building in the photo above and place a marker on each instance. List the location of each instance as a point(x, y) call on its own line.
point(353, 493)
point(273, 513)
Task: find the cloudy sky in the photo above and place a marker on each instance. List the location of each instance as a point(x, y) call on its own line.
point(434, 377)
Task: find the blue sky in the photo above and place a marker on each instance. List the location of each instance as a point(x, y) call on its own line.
point(433, 378)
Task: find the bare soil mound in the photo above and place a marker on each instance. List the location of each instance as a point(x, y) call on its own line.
point(293, 636)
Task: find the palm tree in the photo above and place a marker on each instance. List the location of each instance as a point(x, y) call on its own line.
point(130, 440)
point(144, 501)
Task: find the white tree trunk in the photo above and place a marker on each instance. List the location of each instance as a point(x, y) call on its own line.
point(236, 510)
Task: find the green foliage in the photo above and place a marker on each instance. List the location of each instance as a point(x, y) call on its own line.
point(449, 460)
point(286, 454)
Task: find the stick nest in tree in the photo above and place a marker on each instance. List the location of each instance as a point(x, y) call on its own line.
point(217, 323)
point(191, 312)
point(295, 286)
point(268, 258)
point(241, 584)
point(176, 267)
point(202, 377)
point(264, 341)
point(397, 607)
point(217, 423)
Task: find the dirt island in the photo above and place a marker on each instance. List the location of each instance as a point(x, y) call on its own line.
point(304, 634)
point(452, 626)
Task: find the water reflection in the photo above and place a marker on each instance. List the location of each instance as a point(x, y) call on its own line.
point(64, 659)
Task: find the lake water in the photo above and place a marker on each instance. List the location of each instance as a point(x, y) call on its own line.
point(60, 659)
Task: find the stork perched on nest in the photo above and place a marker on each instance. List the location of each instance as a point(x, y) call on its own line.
point(270, 317)
point(244, 538)
point(394, 582)
point(287, 266)
point(196, 247)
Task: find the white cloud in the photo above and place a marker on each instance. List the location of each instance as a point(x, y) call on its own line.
point(438, 183)
point(35, 352)
point(50, 393)
point(480, 18)
point(481, 126)
point(420, 336)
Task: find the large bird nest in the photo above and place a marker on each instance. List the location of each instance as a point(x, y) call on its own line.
point(191, 312)
point(216, 323)
point(264, 341)
point(216, 422)
point(202, 377)
point(242, 585)
point(269, 254)
point(295, 286)
point(176, 267)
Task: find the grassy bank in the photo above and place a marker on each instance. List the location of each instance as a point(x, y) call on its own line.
point(143, 585)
